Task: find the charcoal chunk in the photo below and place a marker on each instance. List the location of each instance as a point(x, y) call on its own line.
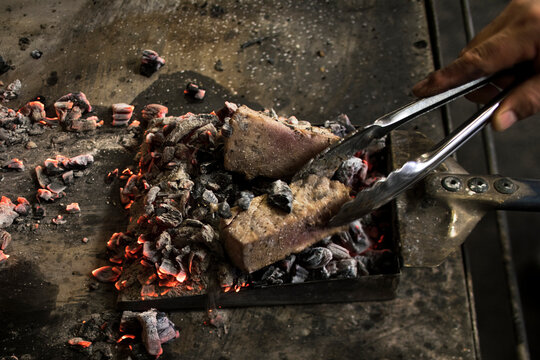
point(351, 170)
point(273, 275)
point(224, 210)
point(245, 199)
point(315, 257)
point(281, 196)
point(300, 274)
point(150, 62)
point(341, 126)
point(347, 268)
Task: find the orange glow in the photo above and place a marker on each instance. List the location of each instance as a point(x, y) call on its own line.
point(117, 259)
point(6, 200)
point(120, 285)
point(148, 291)
point(125, 337)
point(133, 249)
point(107, 273)
point(3, 257)
point(164, 291)
point(79, 342)
point(227, 288)
point(128, 206)
point(168, 283)
point(189, 287)
point(181, 277)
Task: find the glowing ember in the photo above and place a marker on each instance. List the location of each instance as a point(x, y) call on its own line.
point(73, 208)
point(120, 285)
point(77, 341)
point(14, 164)
point(148, 291)
point(125, 337)
point(107, 273)
point(59, 220)
point(3, 257)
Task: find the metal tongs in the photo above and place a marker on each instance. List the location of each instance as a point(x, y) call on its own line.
point(399, 180)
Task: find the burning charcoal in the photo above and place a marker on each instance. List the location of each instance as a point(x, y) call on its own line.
point(150, 335)
point(245, 199)
point(351, 170)
point(347, 268)
point(5, 239)
point(52, 167)
point(273, 275)
point(341, 126)
point(84, 124)
point(73, 208)
point(3, 257)
point(226, 276)
point(227, 111)
point(315, 257)
point(153, 111)
point(194, 91)
point(338, 252)
point(78, 99)
point(360, 241)
point(107, 273)
point(23, 206)
point(35, 110)
point(81, 161)
point(85, 240)
point(300, 274)
point(36, 54)
point(68, 177)
point(150, 62)
point(281, 196)
point(149, 252)
point(7, 214)
point(122, 114)
point(62, 109)
point(14, 164)
point(77, 341)
point(163, 240)
point(58, 220)
point(224, 210)
point(167, 268)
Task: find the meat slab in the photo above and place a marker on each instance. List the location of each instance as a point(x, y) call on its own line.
point(263, 146)
point(263, 234)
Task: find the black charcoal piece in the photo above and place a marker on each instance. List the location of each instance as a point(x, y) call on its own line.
point(163, 240)
point(78, 99)
point(347, 268)
point(218, 66)
point(245, 199)
point(315, 257)
point(341, 126)
point(150, 62)
point(351, 170)
point(224, 210)
point(338, 252)
point(300, 274)
point(273, 276)
point(281, 196)
point(208, 197)
point(4, 66)
point(360, 240)
point(56, 187)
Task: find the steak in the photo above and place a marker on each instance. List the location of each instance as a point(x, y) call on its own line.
point(263, 234)
point(263, 146)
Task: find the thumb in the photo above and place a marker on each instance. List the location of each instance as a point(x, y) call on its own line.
point(520, 103)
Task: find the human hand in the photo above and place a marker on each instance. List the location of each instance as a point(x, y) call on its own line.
point(512, 38)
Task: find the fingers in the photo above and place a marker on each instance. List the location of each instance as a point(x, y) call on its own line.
point(522, 102)
point(495, 54)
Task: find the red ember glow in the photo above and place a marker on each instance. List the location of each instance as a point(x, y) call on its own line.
point(125, 337)
point(3, 257)
point(120, 285)
point(107, 273)
point(79, 342)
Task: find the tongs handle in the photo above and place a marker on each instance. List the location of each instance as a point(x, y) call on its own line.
point(422, 106)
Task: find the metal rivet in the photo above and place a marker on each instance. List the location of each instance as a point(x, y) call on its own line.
point(505, 186)
point(478, 185)
point(451, 183)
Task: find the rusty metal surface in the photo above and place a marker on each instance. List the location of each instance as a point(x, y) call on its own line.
point(371, 53)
